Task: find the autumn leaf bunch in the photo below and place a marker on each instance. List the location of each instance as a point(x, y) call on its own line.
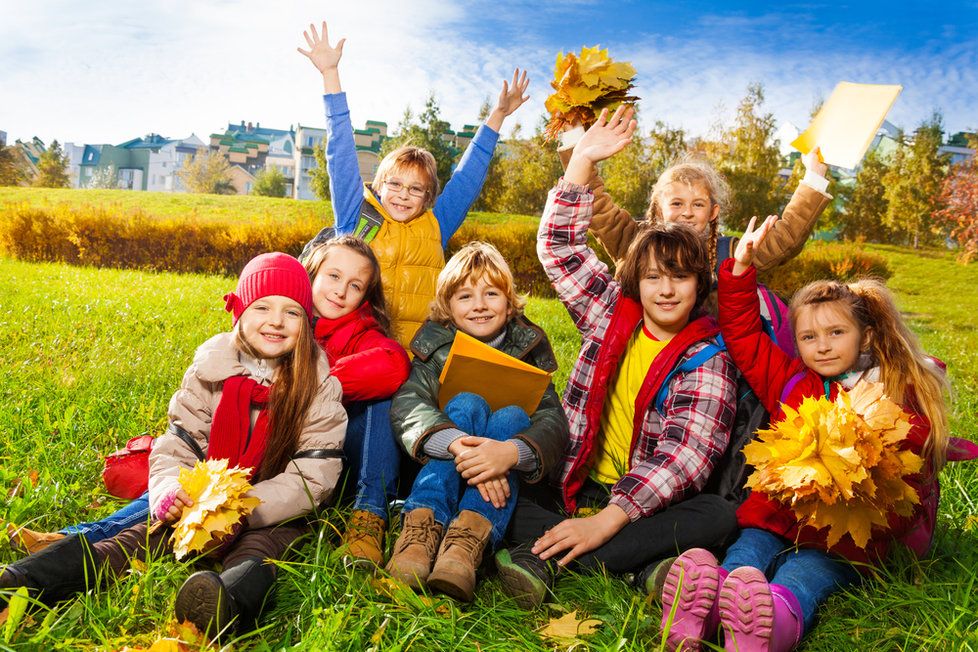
point(220, 504)
point(585, 84)
point(839, 464)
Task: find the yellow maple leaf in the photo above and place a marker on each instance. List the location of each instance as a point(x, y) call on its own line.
point(584, 84)
point(568, 627)
point(838, 464)
point(220, 503)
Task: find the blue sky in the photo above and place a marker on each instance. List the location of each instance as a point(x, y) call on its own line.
point(110, 71)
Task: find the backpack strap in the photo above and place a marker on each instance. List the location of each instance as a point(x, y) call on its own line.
point(790, 385)
point(687, 365)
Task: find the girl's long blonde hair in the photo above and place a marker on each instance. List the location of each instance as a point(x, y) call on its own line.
point(295, 387)
point(908, 374)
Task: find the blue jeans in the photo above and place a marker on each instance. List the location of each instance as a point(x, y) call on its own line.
point(440, 488)
point(812, 575)
point(134, 513)
point(372, 456)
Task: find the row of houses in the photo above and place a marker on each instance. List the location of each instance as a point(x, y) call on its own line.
point(152, 162)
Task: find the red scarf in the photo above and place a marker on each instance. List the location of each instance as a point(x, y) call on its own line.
point(230, 438)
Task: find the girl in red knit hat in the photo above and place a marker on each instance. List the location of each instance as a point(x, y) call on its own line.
point(260, 396)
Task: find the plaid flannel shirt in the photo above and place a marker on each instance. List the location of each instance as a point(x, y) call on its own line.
point(673, 453)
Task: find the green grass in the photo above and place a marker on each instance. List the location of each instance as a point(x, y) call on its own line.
point(90, 358)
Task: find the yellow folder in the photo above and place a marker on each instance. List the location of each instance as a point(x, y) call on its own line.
point(501, 379)
point(847, 123)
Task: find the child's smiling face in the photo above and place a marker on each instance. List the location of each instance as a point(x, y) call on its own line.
point(271, 325)
point(479, 308)
point(403, 194)
point(689, 203)
point(341, 282)
point(828, 338)
point(667, 299)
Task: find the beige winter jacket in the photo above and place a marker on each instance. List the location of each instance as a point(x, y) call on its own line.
point(614, 227)
point(315, 469)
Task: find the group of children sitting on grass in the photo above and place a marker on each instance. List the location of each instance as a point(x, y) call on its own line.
point(315, 376)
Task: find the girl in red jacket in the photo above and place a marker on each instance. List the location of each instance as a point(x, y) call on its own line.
point(844, 333)
point(351, 325)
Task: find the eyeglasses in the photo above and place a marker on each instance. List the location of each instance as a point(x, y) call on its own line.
point(397, 186)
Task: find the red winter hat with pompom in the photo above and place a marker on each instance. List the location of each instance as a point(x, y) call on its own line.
point(268, 275)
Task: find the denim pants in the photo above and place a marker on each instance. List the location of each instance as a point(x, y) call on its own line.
point(134, 513)
point(811, 575)
point(440, 488)
point(373, 459)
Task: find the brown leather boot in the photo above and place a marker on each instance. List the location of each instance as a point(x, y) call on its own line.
point(415, 549)
point(364, 539)
point(31, 541)
point(460, 555)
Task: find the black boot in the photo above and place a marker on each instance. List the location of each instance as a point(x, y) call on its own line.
point(59, 571)
point(217, 603)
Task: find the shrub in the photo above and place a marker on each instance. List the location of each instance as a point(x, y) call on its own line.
point(820, 260)
point(104, 237)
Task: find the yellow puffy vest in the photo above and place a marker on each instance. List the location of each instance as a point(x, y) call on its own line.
point(410, 256)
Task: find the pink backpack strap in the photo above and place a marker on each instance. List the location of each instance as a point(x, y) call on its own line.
point(790, 385)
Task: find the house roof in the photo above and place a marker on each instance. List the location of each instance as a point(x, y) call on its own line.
point(259, 131)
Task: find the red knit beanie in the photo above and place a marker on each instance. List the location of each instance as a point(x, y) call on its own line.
point(267, 275)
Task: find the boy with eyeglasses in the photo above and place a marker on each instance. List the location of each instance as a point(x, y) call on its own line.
point(400, 214)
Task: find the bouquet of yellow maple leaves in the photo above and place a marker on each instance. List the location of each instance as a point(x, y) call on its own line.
point(838, 464)
point(585, 84)
point(220, 504)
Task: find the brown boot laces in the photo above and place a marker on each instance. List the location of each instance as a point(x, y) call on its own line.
point(465, 539)
point(363, 526)
point(425, 534)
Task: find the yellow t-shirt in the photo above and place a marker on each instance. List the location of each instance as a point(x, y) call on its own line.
point(618, 416)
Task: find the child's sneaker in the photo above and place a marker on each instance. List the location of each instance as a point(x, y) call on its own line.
point(652, 577)
point(757, 616)
point(31, 541)
point(524, 576)
point(364, 539)
point(414, 551)
point(691, 587)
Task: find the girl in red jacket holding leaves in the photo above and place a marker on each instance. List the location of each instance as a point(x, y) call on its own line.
point(844, 333)
point(351, 325)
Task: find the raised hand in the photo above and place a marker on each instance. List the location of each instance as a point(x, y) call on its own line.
point(605, 138)
point(512, 97)
point(324, 56)
point(748, 243)
point(813, 161)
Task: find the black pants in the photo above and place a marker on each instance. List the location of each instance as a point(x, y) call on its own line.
point(262, 543)
point(701, 521)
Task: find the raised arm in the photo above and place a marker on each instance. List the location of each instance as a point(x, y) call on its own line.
point(612, 225)
point(789, 234)
point(345, 184)
point(466, 182)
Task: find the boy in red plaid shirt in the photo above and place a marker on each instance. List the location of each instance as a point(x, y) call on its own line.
point(650, 402)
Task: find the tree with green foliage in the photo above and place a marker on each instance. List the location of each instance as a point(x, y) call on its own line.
point(913, 184)
point(749, 158)
point(865, 211)
point(269, 182)
point(11, 168)
point(492, 190)
point(319, 175)
point(207, 173)
point(104, 178)
point(530, 169)
point(52, 168)
point(630, 174)
point(427, 132)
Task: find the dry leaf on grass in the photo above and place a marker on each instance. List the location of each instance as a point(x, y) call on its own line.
point(180, 637)
point(838, 464)
point(584, 84)
point(569, 628)
point(220, 503)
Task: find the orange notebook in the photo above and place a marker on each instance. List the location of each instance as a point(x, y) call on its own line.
point(501, 379)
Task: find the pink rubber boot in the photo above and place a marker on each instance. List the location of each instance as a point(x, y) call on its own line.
point(757, 616)
point(692, 585)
